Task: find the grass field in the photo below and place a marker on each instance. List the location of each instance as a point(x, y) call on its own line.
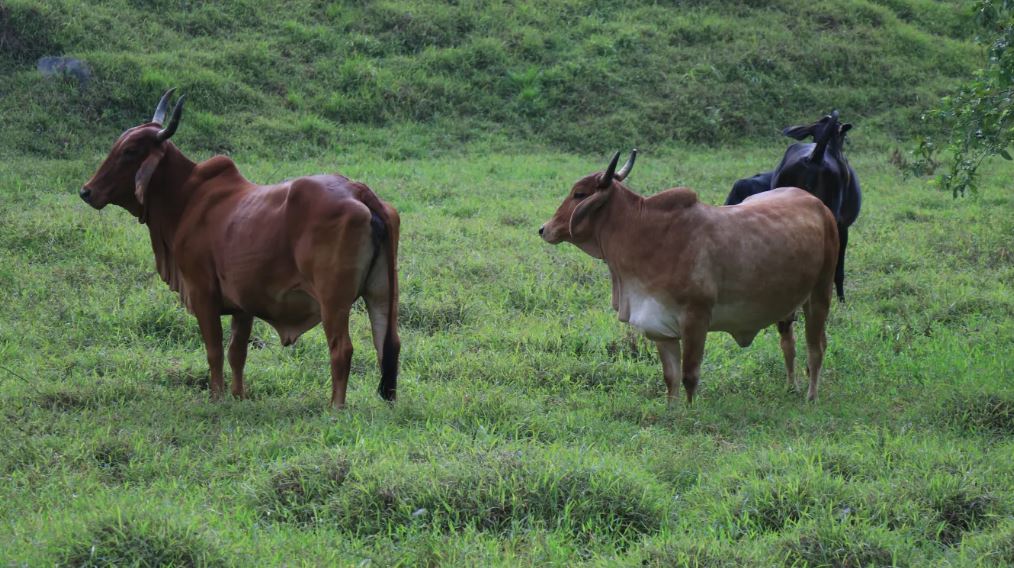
point(531, 425)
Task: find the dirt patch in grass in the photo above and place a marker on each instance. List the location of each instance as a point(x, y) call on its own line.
point(431, 318)
point(499, 492)
point(987, 413)
point(299, 491)
point(960, 508)
point(134, 542)
point(113, 456)
point(837, 546)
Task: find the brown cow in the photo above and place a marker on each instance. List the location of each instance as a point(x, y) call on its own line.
point(681, 268)
point(292, 254)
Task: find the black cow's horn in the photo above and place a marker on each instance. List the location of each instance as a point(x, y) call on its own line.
point(607, 178)
point(163, 105)
point(174, 121)
point(625, 170)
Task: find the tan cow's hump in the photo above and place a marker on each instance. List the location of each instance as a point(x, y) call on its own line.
point(673, 199)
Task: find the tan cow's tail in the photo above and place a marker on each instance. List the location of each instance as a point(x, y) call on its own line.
point(387, 234)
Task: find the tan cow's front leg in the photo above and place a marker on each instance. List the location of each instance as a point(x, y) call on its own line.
point(669, 353)
point(694, 329)
point(816, 310)
point(210, 321)
point(241, 326)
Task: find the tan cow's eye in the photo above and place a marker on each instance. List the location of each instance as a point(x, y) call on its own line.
point(580, 195)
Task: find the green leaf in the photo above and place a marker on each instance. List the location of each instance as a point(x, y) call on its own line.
point(1006, 155)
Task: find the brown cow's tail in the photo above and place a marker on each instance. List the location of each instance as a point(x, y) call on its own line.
point(385, 232)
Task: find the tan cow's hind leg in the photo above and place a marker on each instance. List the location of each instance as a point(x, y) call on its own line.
point(669, 353)
point(788, 344)
point(241, 326)
point(210, 321)
point(816, 309)
point(695, 332)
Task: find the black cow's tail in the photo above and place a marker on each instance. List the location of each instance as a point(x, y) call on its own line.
point(385, 232)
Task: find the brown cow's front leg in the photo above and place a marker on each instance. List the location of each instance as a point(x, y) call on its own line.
point(336, 329)
point(695, 332)
point(211, 331)
point(669, 353)
point(788, 345)
point(241, 326)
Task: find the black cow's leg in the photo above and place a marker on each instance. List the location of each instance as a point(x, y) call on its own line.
point(788, 344)
point(839, 271)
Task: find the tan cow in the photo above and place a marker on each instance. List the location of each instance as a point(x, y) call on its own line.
point(681, 268)
point(293, 254)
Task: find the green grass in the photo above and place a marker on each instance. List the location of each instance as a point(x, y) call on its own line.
point(411, 78)
point(531, 425)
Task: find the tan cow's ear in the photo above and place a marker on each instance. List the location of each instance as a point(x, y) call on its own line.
point(580, 224)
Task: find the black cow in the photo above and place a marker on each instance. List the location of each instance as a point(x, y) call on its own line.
point(796, 169)
point(820, 168)
point(750, 186)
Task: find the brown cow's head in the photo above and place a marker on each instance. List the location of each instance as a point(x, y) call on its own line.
point(572, 220)
point(123, 177)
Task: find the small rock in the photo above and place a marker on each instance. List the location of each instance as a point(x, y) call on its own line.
point(418, 513)
point(61, 66)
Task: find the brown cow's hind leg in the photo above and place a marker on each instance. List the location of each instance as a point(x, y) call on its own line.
point(336, 328)
point(788, 345)
point(669, 353)
point(816, 310)
point(241, 326)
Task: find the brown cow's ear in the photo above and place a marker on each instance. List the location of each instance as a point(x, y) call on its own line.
point(143, 178)
point(580, 225)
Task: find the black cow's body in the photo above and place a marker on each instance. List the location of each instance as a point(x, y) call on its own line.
point(820, 168)
point(749, 186)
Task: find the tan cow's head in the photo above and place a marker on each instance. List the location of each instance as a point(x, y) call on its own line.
point(572, 221)
point(123, 177)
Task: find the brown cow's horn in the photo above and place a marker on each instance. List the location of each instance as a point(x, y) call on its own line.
point(625, 170)
point(174, 121)
point(163, 105)
point(607, 178)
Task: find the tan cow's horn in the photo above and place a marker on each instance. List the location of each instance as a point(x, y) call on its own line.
point(174, 121)
point(163, 105)
point(607, 178)
point(625, 170)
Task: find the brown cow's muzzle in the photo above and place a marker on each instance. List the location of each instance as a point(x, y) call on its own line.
point(88, 196)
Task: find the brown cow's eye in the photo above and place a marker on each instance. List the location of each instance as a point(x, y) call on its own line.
point(580, 195)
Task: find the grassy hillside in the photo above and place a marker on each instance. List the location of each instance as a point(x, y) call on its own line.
point(408, 78)
point(531, 425)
